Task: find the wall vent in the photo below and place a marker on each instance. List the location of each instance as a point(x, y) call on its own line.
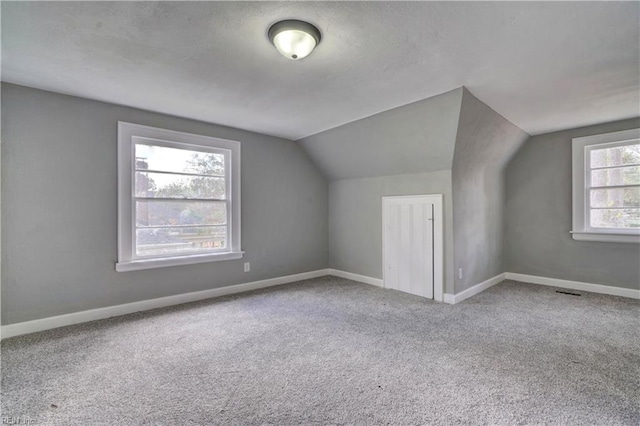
point(568, 292)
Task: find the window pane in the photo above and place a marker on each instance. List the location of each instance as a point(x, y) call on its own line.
point(615, 197)
point(171, 241)
point(179, 186)
point(178, 160)
point(615, 218)
point(629, 175)
point(618, 156)
point(171, 213)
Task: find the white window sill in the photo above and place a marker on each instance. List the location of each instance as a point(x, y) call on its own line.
point(605, 237)
point(136, 265)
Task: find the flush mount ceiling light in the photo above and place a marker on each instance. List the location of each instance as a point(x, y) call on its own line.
point(294, 39)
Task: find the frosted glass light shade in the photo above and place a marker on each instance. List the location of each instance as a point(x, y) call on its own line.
point(294, 44)
point(294, 39)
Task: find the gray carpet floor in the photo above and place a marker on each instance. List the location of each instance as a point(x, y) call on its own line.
point(332, 351)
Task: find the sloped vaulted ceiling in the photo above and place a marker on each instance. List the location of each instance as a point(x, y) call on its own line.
point(415, 138)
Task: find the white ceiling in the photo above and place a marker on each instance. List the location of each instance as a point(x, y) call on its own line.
point(544, 66)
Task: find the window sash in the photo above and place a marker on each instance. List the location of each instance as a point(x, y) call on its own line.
point(186, 252)
point(225, 225)
point(175, 199)
point(621, 166)
point(227, 201)
point(166, 172)
point(588, 186)
point(616, 208)
point(613, 187)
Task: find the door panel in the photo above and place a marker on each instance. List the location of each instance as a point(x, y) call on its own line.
point(392, 246)
point(404, 256)
point(408, 246)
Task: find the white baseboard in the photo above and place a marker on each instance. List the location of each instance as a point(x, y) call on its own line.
point(27, 327)
point(553, 282)
point(367, 280)
point(356, 277)
point(472, 291)
point(575, 285)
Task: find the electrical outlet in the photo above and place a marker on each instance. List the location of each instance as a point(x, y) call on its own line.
point(247, 266)
point(460, 273)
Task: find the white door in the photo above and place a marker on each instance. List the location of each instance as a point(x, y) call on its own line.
point(408, 244)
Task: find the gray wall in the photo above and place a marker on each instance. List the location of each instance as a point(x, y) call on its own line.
point(485, 142)
point(452, 144)
point(403, 151)
point(538, 217)
point(0, 215)
point(414, 138)
point(59, 201)
point(355, 219)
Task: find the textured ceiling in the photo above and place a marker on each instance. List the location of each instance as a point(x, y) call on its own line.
point(544, 66)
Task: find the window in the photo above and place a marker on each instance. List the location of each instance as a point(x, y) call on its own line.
point(178, 198)
point(606, 187)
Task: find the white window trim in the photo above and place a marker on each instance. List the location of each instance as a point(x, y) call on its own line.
point(580, 148)
point(126, 258)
